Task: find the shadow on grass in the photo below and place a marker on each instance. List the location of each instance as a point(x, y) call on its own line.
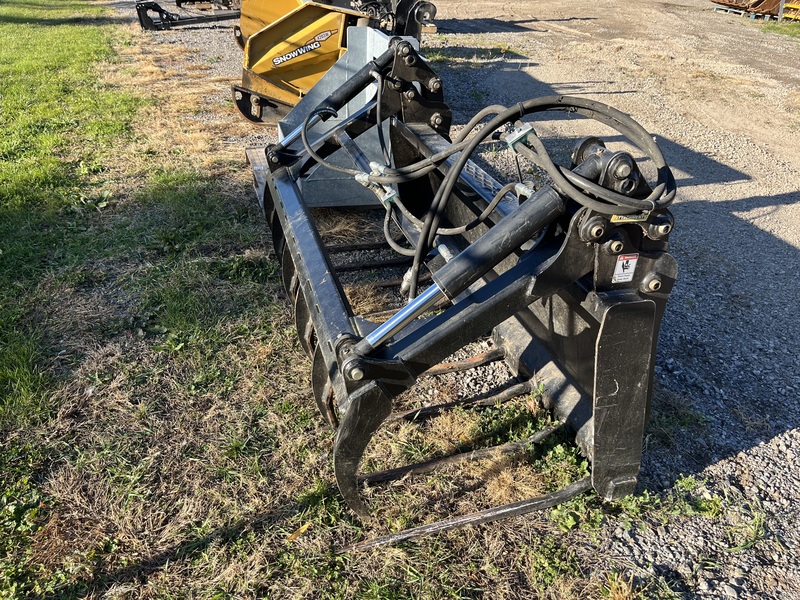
point(52, 22)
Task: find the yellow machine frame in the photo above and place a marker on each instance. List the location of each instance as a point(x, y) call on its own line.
point(289, 46)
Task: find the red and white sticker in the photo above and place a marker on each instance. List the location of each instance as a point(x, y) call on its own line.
point(625, 268)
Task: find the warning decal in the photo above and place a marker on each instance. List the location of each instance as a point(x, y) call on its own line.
point(625, 268)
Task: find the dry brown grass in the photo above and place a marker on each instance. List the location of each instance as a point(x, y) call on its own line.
point(367, 298)
point(345, 227)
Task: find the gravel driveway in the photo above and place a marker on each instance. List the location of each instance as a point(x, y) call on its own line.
point(723, 99)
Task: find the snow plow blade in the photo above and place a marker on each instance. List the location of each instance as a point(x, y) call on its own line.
point(290, 44)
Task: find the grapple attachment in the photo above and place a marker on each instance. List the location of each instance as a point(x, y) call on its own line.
point(570, 278)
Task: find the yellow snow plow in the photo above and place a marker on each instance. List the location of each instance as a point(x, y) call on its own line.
point(290, 44)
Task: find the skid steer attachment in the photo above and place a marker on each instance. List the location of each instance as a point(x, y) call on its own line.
point(153, 17)
point(571, 279)
point(290, 44)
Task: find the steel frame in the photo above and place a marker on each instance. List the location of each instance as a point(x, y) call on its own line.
point(539, 275)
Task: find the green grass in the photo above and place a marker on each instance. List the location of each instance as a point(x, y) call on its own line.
point(790, 28)
point(51, 104)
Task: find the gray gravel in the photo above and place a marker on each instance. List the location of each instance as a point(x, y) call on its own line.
point(722, 98)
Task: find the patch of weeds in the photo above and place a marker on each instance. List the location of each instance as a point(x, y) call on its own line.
point(561, 463)
point(248, 268)
point(619, 587)
point(509, 422)
point(300, 419)
point(691, 497)
point(634, 508)
point(322, 504)
point(23, 510)
point(583, 511)
point(750, 529)
point(386, 589)
point(211, 378)
point(417, 449)
point(547, 561)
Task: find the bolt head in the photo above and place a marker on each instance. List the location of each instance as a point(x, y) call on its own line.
point(356, 374)
point(597, 231)
point(623, 170)
point(654, 284)
point(617, 246)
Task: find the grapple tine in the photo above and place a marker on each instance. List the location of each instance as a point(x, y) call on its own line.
point(303, 324)
point(369, 407)
point(288, 273)
point(278, 239)
point(322, 388)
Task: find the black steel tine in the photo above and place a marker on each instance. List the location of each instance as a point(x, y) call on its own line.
point(505, 395)
point(436, 463)
point(356, 246)
point(484, 516)
point(464, 365)
point(369, 407)
point(374, 264)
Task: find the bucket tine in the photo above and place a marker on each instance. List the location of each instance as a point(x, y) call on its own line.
point(369, 407)
point(323, 390)
point(484, 516)
point(304, 325)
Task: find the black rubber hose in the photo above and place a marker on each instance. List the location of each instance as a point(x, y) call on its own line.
point(661, 196)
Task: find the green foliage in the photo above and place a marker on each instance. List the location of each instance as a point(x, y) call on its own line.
point(547, 561)
point(58, 121)
point(322, 504)
point(561, 463)
point(790, 28)
point(749, 530)
point(508, 422)
point(21, 510)
point(583, 511)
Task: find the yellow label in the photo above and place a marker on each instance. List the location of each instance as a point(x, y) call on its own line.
point(630, 218)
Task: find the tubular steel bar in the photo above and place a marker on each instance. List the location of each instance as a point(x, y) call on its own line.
point(516, 509)
point(501, 397)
